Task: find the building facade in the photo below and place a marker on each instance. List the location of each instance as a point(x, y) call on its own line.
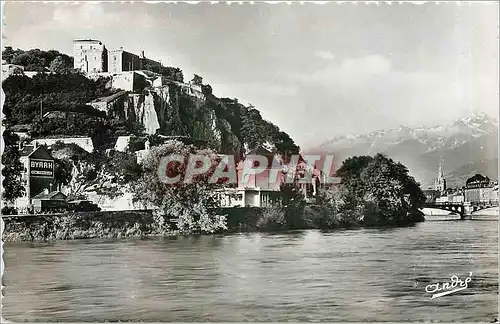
point(11, 69)
point(120, 60)
point(49, 201)
point(481, 190)
point(263, 189)
point(90, 56)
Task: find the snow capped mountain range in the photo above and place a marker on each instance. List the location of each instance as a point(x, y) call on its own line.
point(471, 141)
point(437, 137)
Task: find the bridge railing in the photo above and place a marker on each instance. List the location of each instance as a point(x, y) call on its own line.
point(446, 203)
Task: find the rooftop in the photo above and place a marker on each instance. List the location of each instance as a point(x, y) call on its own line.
point(44, 195)
point(110, 98)
point(87, 41)
point(27, 150)
point(21, 128)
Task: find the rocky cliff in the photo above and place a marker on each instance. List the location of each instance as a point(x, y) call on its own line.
point(184, 109)
point(171, 110)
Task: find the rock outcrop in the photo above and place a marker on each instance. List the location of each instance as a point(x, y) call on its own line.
point(174, 109)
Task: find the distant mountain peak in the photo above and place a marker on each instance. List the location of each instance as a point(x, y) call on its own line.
point(477, 118)
point(476, 124)
point(459, 143)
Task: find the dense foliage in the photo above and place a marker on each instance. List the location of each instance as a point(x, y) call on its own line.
point(12, 184)
point(29, 98)
point(288, 214)
point(377, 191)
point(171, 73)
point(191, 204)
point(248, 125)
point(38, 60)
point(82, 225)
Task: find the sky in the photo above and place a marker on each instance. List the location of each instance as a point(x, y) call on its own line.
point(315, 70)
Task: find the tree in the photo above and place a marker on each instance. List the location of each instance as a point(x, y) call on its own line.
point(293, 203)
point(13, 185)
point(197, 80)
point(17, 71)
point(61, 65)
point(285, 145)
point(394, 195)
point(8, 54)
point(375, 191)
point(353, 166)
point(35, 59)
point(30, 61)
point(62, 171)
point(192, 204)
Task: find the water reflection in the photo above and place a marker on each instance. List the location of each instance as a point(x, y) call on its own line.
point(351, 275)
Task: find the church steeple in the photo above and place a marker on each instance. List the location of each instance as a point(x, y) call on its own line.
point(440, 184)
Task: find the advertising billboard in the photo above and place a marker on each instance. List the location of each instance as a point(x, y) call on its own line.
point(41, 168)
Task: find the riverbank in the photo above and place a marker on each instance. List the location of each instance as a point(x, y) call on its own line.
point(492, 211)
point(139, 224)
point(86, 225)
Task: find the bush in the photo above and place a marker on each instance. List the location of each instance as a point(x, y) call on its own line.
point(272, 219)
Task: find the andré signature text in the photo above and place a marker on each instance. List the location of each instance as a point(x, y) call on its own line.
point(446, 288)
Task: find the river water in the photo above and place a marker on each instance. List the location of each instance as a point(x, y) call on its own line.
point(349, 275)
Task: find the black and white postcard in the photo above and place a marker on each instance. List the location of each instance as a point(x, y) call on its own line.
point(250, 162)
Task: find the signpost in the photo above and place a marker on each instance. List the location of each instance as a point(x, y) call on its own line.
point(41, 168)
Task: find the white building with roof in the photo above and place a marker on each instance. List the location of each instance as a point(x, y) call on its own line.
point(83, 142)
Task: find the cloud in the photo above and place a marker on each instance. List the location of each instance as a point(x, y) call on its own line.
point(349, 72)
point(86, 15)
point(96, 15)
point(254, 90)
point(371, 64)
point(325, 55)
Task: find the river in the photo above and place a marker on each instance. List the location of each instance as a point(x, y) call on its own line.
point(348, 275)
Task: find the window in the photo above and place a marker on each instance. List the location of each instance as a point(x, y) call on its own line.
point(114, 58)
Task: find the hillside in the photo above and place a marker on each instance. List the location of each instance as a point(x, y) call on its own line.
point(172, 108)
point(467, 146)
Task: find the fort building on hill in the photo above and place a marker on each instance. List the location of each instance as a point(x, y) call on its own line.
point(92, 56)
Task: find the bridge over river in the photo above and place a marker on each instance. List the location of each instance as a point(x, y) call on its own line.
point(463, 209)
